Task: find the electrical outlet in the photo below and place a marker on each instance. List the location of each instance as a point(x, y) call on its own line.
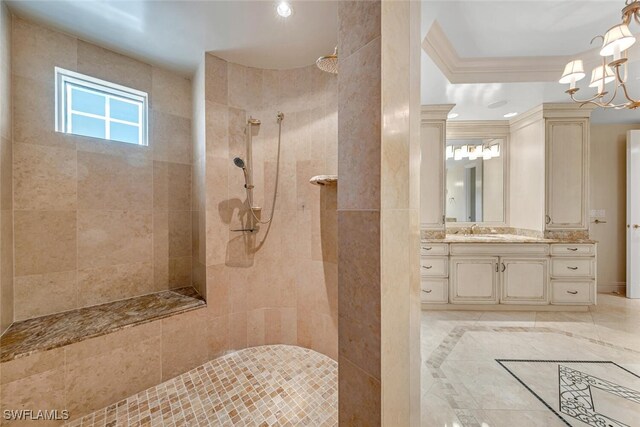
point(593, 213)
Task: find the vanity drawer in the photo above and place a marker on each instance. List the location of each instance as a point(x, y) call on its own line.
point(573, 267)
point(573, 250)
point(434, 290)
point(572, 292)
point(434, 267)
point(500, 249)
point(434, 249)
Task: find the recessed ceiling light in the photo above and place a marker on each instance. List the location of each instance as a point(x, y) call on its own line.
point(509, 115)
point(284, 9)
point(452, 115)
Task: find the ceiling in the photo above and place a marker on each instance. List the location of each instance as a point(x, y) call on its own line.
point(515, 29)
point(174, 33)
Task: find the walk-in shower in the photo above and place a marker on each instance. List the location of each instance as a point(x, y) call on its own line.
point(247, 169)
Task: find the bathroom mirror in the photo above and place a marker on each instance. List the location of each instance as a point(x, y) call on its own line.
point(475, 181)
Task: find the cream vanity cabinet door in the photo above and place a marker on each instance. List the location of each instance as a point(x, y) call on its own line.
point(474, 280)
point(567, 162)
point(524, 280)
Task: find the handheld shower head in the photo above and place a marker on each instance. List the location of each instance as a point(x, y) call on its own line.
point(239, 162)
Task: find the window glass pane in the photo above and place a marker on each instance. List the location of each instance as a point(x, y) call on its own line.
point(123, 110)
point(124, 133)
point(88, 126)
point(87, 102)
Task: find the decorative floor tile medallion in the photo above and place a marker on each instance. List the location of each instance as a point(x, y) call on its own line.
point(582, 392)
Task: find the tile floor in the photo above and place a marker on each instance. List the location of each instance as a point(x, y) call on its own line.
point(480, 369)
point(463, 384)
point(260, 386)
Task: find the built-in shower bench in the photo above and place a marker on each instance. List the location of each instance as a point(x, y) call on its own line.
point(31, 336)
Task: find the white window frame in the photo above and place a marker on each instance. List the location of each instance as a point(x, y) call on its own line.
point(67, 80)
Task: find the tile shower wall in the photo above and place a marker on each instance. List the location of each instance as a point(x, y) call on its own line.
point(94, 220)
point(6, 200)
point(278, 285)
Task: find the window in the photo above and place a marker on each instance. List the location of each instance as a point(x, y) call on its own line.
point(100, 109)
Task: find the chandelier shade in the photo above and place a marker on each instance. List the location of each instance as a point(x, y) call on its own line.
point(573, 72)
point(601, 75)
point(617, 40)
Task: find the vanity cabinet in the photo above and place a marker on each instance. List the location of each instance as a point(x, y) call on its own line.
point(509, 274)
point(524, 280)
point(474, 280)
point(567, 163)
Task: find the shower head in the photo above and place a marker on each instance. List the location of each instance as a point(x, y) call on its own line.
point(329, 63)
point(239, 162)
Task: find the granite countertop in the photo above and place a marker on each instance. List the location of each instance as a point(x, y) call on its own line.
point(501, 238)
point(56, 330)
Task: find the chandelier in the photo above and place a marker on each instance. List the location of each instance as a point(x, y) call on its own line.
point(615, 43)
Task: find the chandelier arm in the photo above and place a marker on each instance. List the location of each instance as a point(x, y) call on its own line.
point(624, 87)
point(588, 101)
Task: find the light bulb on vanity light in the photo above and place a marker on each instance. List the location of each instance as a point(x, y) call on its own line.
point(449, 151)
point(486, 153)
point(457, 154)
point(473, 152)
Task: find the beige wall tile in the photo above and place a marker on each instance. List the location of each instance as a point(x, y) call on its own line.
point(218, 335)
point(360, 396)
point(45, 241)
point(42, 294)
point(114, 282)
point(6, 174)
point(179, 234)
point(44, 177)
point(97, 381)
point(113, 237)
point(6, 269)
point(38, 50)
point(237, 331)
point(359, 85)
point(359, 24)
point(170, 93)
point(114, 182)
point(256, 327)
point(180, 272)
point(218, 289)
point(27, 366)
point(171, 186)
point(170, 138)
point(215, 79)
point(34, 114)
point(281, 326)
point(183, 346)
point(108, 65)
point(43, 390)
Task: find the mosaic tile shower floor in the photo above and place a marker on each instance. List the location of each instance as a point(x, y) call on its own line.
point(260, 386)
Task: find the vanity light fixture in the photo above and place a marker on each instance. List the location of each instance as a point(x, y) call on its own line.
point(452, 115)
point(509, 115)
point(284, 9)
point(615, 43)
point(472, 152)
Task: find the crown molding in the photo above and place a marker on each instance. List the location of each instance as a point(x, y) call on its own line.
point(484, 129)
point(501, 69)
point(551, 111)
point(435, 111)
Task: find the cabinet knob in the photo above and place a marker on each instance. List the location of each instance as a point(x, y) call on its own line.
point(426, 291)
point(636, 226)
point(427, 248)
point(504, 267)
point(572, 292)
point(572, 249)
point(427, 267)
point(572, 268)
